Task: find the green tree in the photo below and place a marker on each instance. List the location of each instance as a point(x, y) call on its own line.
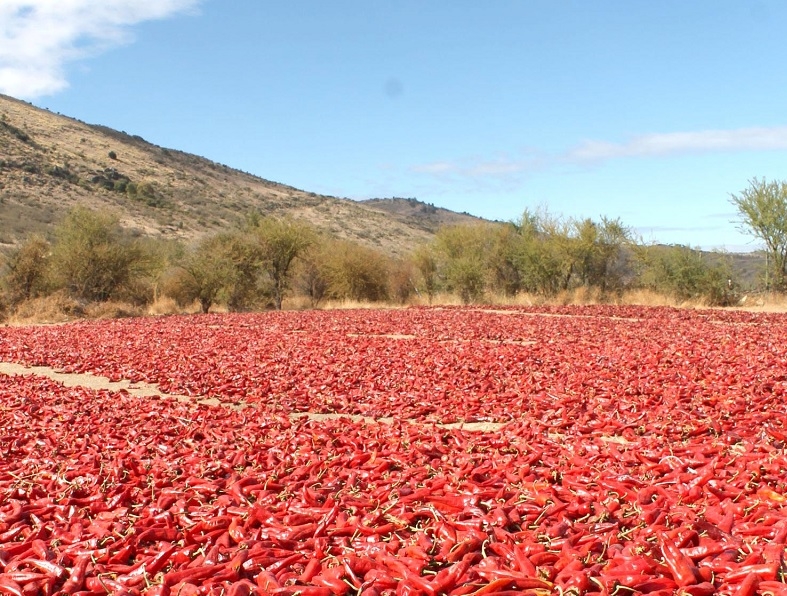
point(355, 272)
point(205, 273)
point(312, 275)
point(461, 251)
point(503, 243)
point(93, 258)
point(26, 270)
point(544, 256)
point(598, 253)
point(425, 262)
point(280, 241)
point(763, 214)
point(685, 274)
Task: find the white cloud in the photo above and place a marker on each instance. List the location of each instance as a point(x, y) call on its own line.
point(480, 167)
point(510, 171)
point(654, 145)
point(39, 37)
point(438, 168)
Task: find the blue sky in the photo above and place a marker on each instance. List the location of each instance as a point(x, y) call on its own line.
point(653, 112)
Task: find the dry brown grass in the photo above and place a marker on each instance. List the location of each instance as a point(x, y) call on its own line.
point(647, 298)
point(57, 308)
point(764, 303)
point(112, 310)
point(356, 304)
point(164, 305)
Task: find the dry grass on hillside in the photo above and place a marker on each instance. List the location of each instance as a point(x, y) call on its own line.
point(54, 163)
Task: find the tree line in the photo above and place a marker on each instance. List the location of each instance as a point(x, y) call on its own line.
point(266, 260)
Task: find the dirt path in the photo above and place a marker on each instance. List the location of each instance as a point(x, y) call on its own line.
point(90, 381)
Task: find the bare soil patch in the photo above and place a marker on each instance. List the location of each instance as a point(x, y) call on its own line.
point(95, 382)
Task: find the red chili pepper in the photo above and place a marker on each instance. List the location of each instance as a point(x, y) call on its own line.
point(147, 568)
point(48, 567)
point(242, 588)
point(302, 591)
point(701, 589)
point(311, 569)
point(158, 534)
point(682, 568)
point(172, 578)
point(748, 587)
point(502, 584)
point(9, 586)
point(763, 571)
point(266, 581)
point(76, 578)
point(697, 553)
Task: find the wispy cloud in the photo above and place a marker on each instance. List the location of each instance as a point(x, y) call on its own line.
point(482, 168)
point(672, 143)
point(437, 168)
point(39, 37)
point(484, 172)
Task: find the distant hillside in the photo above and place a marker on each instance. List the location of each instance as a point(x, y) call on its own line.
point(49, 163)
point(420, 215)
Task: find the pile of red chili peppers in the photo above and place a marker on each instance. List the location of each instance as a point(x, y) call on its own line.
point(644, 452)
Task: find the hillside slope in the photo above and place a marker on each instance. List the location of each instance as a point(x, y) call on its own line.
point(49, 163)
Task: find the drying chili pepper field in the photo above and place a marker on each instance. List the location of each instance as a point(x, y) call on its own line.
point(566, 451)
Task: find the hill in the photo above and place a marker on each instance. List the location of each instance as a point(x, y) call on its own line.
point(49, 163)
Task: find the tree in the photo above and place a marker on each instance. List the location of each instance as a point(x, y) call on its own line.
point(504, 242)
point(355, 272)
point(597, 251)
point(462, 251)
point(280, 242)
point(544, 256)
point(312, 276)
point(93, 258)
point(763, 214)
point(685, 274)
point(425, 262)
point(25, 277)
point(205, 273)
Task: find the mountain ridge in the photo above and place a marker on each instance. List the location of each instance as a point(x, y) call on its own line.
point(50, 163)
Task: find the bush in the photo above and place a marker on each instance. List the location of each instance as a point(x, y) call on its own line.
point(355, 272)
point(685, 274)
point(93, 258)
point(205, 274)
point(461, 251)
point(26, 271)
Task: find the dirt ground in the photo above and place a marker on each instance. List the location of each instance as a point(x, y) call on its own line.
point(142, 390)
